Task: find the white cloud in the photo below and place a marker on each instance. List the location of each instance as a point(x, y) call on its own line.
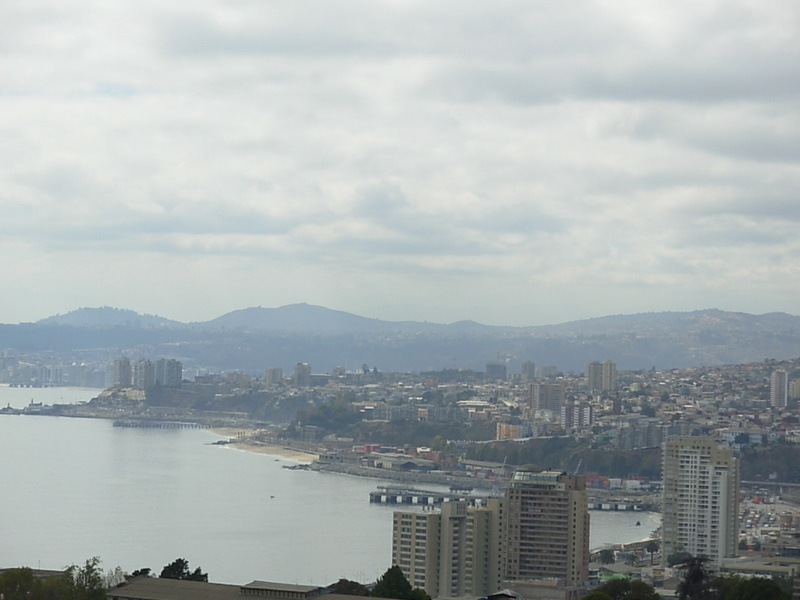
point(514, 163)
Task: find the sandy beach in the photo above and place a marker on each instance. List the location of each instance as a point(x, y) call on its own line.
point(249, 445)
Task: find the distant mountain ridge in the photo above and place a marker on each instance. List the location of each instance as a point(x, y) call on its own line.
point(107, 316)
point(678, 322)
point(310, 318)
point(253, 338)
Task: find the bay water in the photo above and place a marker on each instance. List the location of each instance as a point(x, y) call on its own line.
point(71, 489)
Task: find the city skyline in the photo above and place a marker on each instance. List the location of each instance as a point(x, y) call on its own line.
point(514, 164)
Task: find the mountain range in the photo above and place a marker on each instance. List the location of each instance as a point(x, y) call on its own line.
point(253, 338)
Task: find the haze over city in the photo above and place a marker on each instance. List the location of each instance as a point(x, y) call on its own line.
point(515, 163)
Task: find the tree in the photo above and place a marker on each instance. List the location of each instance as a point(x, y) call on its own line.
point(143, 572)
point(596, 595)
point(393, 584)
point(87, 582)
point(642, 591)
point(607, 556)
point(624, 589)
point(19, 584)
point(616, 588)
point(349, 588)
point(734, 587)
point(677, 558)
point(438, 443)
point(652, 548)
point(696, 583)
point(179, 569)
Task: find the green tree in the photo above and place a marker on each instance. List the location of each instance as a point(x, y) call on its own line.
point(734, 587)
point(607, 557)
point(642, 591)
point(179, 569)
point(438, 443)
point(652, 548)
point(625, 589)
point(596, 595)
point(677, 558)
point(393, 584)
point(143, 572)
point(696, 583)
point(349, 588)
point(616, 588)
point(87, 582)
point(20, 584)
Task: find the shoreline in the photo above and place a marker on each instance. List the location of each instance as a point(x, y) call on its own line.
point(245, 445)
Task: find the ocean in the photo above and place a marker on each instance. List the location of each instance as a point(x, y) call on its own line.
point(71, 489)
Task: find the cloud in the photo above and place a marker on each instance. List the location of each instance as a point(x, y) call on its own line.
point(598, 157)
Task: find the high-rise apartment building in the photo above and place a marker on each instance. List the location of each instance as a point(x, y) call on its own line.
point(779, 388)
point(302, 375)
point(601, 375)
point(274, 376)
point(609, 375)
point(528, 371)
point(168, 372)
point(594, 375)
point(547, 395)
point(144, 374)
point(577, 415)
point(701, 498)
point(453, 551)
point(547, 528)
point(794, 388)
point(122, 372)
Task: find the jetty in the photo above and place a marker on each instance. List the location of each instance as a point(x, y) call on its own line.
point(156, 424)
point(387, 494)
point(622, 505)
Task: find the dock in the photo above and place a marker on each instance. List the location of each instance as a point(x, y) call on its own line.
point(402, 495)
point(155, 424)
point(621, 505)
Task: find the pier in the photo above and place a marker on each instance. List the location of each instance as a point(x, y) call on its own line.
point(153, 424)
point(401, 495)
point(621, 505)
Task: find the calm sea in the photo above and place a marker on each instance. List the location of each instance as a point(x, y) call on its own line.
point(71, 489)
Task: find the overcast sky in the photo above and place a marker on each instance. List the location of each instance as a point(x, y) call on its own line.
point(515, 163)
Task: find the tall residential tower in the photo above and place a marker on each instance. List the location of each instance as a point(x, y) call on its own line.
point(701, 498)
point(547, 532)
point(454, 551)
point(779, 388)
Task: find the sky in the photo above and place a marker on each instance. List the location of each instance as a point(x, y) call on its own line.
point(514, 163)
